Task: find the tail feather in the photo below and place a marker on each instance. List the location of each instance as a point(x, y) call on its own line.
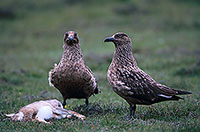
point(183, 92)
point(96, 91)
point(176, 98)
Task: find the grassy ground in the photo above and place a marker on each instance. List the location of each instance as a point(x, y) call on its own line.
point(166, 43)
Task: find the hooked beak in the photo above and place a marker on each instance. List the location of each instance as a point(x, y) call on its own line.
point(109, 39)
point(70, 38)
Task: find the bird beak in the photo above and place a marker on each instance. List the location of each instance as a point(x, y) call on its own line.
point(109, 39)
point(71, 38)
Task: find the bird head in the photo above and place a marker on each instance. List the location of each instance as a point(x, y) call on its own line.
point(119, 38)
point(71, 38)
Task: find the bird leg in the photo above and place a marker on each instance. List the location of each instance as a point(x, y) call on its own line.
point(132, 109)
point(87, 102)
point(64, 102)
point(87, 106)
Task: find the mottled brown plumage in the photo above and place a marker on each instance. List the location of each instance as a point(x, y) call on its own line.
point(71, 76)
point(130, 82)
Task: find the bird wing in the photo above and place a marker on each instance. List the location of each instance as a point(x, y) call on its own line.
point(160, 88)
point(50, 78)
point(140, 85)
point(93, 79)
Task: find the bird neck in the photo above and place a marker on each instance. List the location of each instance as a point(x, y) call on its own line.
point(123, 55)
point(72, 53)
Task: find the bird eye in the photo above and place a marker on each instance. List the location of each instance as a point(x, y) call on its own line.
point(75, 34)
point(119, 36)
point(59, 105)
point(65, 36)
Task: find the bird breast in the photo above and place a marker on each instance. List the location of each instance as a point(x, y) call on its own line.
point(66, 73)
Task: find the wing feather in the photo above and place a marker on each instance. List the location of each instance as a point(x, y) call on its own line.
point(141, 86)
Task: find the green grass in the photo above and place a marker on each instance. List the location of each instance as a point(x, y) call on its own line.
point(166, 42)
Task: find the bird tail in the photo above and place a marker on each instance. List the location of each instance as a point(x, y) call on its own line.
point(176, 98)
point(96, 91)
point(180, 93)
point(183, 92)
